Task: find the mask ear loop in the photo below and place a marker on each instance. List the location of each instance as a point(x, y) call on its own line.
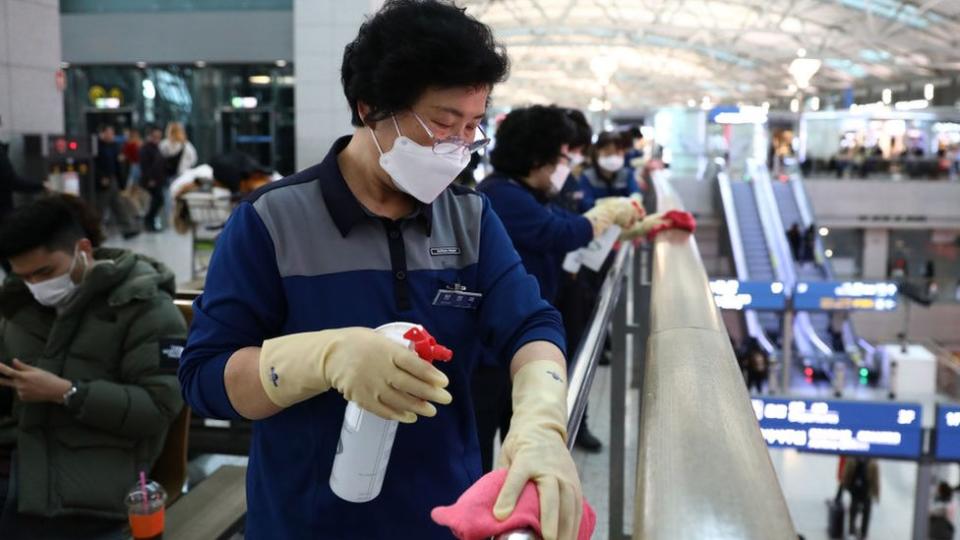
point(374, 135)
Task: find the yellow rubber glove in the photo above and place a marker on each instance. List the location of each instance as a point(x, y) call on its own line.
point(601, 217)
point(626, 210)
point(644, 226)
point(535, 450)
point(369, 369)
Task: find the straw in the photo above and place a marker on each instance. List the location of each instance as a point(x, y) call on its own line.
point(143, 490)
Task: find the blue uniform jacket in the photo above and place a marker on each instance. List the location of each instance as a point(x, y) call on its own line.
point(623, 184)
point(542, 232)
point(303, 255)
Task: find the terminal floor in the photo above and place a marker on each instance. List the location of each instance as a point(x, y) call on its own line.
point(807, 480)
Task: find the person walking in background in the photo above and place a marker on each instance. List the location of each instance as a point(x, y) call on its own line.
point(808, 245)
point(131, 154)
point(153, 176)
point(794, 238)
point(107, 170)
point(758, 365)
point(609, 176)
point(861, 478)
point(943, 514)
point(179, 155)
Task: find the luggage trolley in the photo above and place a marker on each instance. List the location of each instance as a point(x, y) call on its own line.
point(208, 214)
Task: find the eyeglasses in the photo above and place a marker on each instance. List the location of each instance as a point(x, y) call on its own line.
point(452, 145)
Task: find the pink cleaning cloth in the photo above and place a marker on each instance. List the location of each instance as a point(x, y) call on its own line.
point(471, 517)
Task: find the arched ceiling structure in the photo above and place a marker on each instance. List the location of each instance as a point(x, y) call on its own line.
point(674, 51)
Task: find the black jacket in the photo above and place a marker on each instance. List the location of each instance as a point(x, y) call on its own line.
point(152, 165)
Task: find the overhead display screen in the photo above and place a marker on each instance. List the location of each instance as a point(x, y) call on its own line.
point(739, 295)
point(845, 295)
point(877, 429)
point(947, 447)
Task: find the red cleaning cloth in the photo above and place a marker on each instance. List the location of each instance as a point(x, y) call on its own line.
point(678, 220)
point(471, 517)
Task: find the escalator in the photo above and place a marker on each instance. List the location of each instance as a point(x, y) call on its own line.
point(793, 207)
point(750, 253)
point(790, 214)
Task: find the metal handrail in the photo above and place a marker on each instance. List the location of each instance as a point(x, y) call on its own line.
point(704, 470)
point(587, 356)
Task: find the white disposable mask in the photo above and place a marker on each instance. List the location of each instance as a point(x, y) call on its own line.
point(576, 159)
point(53, 291)
point(418, 170)
point(611, 163)
point(559, 176)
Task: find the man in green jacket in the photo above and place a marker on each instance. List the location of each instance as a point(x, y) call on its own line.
point(89, 339)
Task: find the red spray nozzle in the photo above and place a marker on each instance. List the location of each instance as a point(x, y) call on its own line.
point(426, 346)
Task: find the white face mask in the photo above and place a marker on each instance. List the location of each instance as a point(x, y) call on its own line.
point(612, 163)
point(576, 159)
point(559, 176)
point(418, 170)
point(53, 291)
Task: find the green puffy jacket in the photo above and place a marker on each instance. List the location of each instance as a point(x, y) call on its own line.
point(108, 339)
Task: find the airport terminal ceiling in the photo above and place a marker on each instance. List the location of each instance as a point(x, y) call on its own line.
point(663, 52)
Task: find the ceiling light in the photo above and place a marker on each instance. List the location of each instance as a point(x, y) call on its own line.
point(200, 64)
point(801, 52)
point(141, 65)
point(803, 69)
point(828, 253)
point(691, 103)
point(259, 79)
point(928, 92)
point(815, 103)
point(792, 89)
point(824, 231)
point(886, 96)
point(794, 105)
point(281, 63)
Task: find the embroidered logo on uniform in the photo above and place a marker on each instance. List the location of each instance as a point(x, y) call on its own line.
point(170, 352)
point(441, 251)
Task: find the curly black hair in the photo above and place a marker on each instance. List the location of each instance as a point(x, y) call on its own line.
point(412, 45)
point(530, 138)
point(55, 222)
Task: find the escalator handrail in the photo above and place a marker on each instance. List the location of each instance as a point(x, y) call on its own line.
point(704, 470)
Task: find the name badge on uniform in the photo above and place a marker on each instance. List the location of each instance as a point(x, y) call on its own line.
point(457, 296)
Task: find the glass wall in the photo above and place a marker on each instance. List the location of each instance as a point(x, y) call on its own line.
point(845, 248)
point(224, 107)
point(925, 251)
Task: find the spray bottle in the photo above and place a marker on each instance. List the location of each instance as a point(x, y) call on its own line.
point(367, 439)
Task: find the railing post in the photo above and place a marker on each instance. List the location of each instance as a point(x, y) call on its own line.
point(618, 397)
point(786, 350)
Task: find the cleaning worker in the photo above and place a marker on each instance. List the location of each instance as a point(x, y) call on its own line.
point(531, 164)
point(308, 266)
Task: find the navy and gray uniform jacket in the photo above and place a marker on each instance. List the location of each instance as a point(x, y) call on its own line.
point(302, 255)
point(542, 232)
point(623, 184)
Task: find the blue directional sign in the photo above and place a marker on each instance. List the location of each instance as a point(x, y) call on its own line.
point(739, 295)
point(845, 295)
point(947, 447)
point(876, 429)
